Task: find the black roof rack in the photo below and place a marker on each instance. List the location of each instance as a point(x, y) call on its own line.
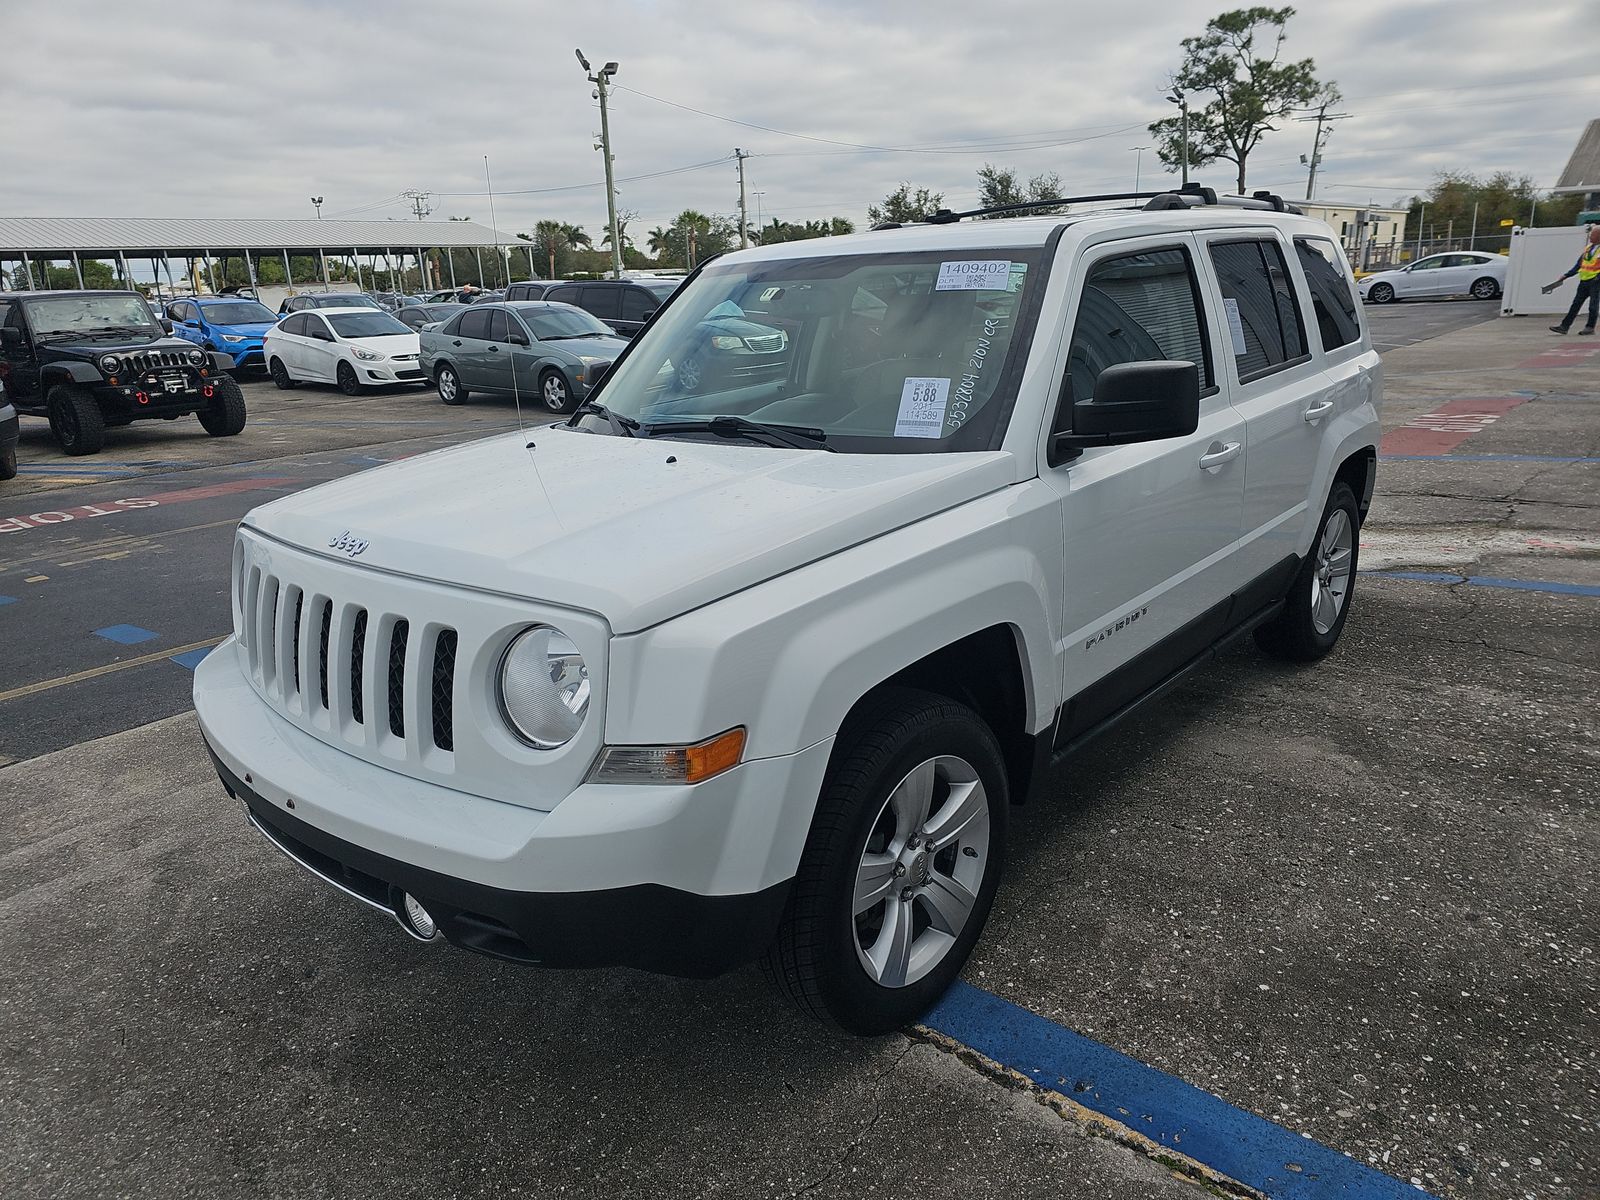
point(1191, 195)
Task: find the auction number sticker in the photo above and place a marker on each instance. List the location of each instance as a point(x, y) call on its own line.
point(975, 275)
point(922, 405)
point(1235, 326)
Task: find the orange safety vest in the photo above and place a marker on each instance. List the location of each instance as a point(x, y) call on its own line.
point(1589, 263)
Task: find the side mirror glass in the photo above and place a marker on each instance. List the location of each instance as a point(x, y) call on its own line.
point(1134, 402)
point(10, 336)
point(166, 325)
point(517, 338)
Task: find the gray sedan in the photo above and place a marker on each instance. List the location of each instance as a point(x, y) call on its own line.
point(532, 348)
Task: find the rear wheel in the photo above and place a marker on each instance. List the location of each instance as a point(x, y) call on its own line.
point(8, 463)
point(449, 385)
point(280, 375)
point(901, 866)
point(76, 420)
point(1318, 603)
point(1485, 288)
point(225, 416)
point(349, 382)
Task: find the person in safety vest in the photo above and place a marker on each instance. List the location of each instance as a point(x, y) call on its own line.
point(1587, 269)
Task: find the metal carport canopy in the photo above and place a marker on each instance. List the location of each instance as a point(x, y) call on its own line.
point(107, 236)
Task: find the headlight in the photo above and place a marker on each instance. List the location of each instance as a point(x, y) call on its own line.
point(109, 363)
point(544, 687)
point(728, 343)
point(232, 337)
point(366, 355)
point(197, 356)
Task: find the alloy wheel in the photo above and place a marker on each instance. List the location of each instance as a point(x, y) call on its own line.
point(921, 870)
point(1330, 581)
point(555, 392)
point(447, 384)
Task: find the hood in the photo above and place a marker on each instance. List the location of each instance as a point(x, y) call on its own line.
point(738, 327)
point(607, 524)
point(97, 346)
point(389, 343)
point(254, 329)
point(599, 346)
point(1377, 275)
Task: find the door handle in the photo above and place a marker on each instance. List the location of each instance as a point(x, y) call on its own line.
point(1317, 411)
point(457, 342)
point(1225, 453)
point(494, 349)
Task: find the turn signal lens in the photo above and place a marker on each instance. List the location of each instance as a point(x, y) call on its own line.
point(670, 764)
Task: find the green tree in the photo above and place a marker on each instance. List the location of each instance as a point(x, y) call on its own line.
point(624, 217)
point(1500, 197)
point(1237, 61)
point(903, 205)
point(784, 231)
point(999, 186)
point(692, 238)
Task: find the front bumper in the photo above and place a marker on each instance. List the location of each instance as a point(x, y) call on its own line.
point(391, 372)
point(245, 354)
point(680, 880)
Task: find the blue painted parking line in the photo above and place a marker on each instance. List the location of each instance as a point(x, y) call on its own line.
point(191, 659)
point(125, 635)
point(1494, 581)
point(7, 600)
point(1555, 458)
point(1161, 1107)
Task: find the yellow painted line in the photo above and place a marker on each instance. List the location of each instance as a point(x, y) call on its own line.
point(45, 685)
point(37, 579)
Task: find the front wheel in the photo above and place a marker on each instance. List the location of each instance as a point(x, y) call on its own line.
point(1485, 288)
point(76, 420)
point(349, 382)
point(225, 415)
point(553, 388)
point(1381, 293)
point(901, 866)
point(1318, 603)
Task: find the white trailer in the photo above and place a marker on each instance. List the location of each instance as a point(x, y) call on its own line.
point(1539, 256)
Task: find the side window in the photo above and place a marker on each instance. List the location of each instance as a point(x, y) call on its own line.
point(317, 327)
point(603, 302)
point(1263, 317)
point(1136, 308)
point(1428, 264)
point(474, 325)
point(563, 295)
point(295, 324)
point(1331, 299)
point(636, 302)
point(499, 331)
point(10, 315)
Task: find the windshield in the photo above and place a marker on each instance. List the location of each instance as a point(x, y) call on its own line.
point(246, 312)
point(883, 353)
point(563, 321)
point(367, 325)
point(84, 316)
point(346, 300)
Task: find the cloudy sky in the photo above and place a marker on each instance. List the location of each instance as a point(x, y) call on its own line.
point(248, 109)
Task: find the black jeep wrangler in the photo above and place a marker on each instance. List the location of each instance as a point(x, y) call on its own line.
point(92, 360)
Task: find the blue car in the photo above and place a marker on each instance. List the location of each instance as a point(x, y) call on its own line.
point(230, 324)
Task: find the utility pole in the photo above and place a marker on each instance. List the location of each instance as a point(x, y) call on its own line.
point(1472, 242)
point(419, 202)
point(1322, 118)
point(744, 216)
point(602, 80)
point(1182, 101)
point(494, 223)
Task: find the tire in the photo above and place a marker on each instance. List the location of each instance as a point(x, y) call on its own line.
point(1316, 608)
point(691, 371)
point(8, 464)
point(553, 390)
point(1381, 293)
point(349, 382)
point(448, 384)
point(280, 375)
point(1485, 289)
point(76, 420)
point(225, 416)
point(912, 745)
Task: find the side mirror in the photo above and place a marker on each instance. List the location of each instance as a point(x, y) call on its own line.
point(166, 325)
point(1133, 402)
point(517, 338)
point(10, 336)
point(648, 313)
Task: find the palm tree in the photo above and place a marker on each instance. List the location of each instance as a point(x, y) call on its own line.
point(575, 237)
point(622, 234)
point(550, 236)
point(660, 239)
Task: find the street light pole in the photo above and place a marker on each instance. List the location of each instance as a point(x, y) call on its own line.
point(1138, 160)
point(316, 202)
point(601, 80)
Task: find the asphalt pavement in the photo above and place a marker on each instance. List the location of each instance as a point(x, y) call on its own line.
point(1356, 900)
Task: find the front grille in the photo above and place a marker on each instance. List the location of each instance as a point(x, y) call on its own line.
point(766, 343)
point(282, 626)
point(141, 361)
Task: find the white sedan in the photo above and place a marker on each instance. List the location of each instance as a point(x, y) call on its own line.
point(351, 347)
point(1461, 273)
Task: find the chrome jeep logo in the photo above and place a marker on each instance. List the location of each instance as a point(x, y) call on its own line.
point(350, 545)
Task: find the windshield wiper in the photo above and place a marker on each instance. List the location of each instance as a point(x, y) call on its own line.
point(797, 436)
point(567, 337)
point(620, 425)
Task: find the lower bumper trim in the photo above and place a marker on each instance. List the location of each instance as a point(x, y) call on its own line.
point(649, 926)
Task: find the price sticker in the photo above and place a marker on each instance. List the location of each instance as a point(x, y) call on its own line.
point(976, 275)
point(923, 401)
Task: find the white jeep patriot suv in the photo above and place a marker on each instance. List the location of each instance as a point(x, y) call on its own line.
point(752, 662)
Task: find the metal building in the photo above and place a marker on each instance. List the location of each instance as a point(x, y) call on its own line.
point(131, 244)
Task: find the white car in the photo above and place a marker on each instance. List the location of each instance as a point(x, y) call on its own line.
point(354, 348)
point(1460, 273)
point(759, 668)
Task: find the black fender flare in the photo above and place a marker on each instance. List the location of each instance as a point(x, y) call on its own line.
point(220, 361)
point(68, 372)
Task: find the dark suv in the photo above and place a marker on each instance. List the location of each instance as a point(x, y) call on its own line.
point(93, 360)
point(623, 304)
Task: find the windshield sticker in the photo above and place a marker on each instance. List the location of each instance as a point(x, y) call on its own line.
point(1235, 326)
point(922, 405)
point(974, 276)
